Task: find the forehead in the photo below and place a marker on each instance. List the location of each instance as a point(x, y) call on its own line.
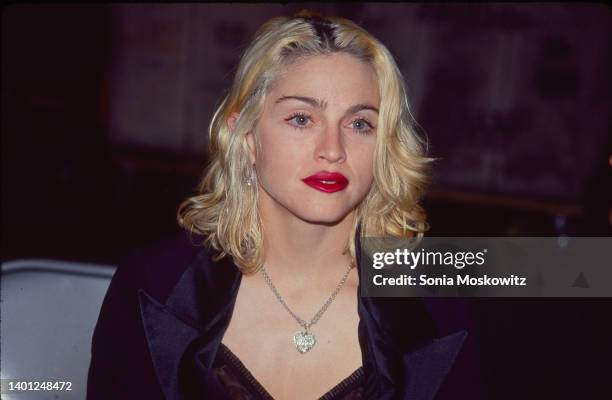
point(337, 77)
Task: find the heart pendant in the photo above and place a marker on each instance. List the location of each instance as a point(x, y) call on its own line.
point(304, 341)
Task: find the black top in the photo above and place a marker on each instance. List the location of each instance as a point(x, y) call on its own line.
point(240, 384)
point(165, 312)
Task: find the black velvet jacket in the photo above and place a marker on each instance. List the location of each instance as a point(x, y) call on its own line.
point(166, 311)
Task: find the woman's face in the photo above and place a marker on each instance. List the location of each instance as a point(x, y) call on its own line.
point(313, 146)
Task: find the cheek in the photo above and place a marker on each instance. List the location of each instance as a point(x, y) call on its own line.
point(364, 163)
point(280, 147)
point(277, 156)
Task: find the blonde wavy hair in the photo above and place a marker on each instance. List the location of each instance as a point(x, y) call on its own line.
point(225, 209)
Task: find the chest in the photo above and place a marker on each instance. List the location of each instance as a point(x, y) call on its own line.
point(261, 333)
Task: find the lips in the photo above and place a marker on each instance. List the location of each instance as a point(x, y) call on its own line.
point(328, 182)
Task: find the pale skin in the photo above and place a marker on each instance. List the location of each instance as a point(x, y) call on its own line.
point(306, 230)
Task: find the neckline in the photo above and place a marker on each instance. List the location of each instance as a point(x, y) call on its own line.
point(329, 395)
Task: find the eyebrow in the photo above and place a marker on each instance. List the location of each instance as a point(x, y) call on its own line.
point(321, 104)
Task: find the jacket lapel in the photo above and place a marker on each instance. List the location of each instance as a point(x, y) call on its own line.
point(184, 333)
point(424, 369)
point(402, 358)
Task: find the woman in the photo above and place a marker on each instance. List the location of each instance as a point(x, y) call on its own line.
point(311, 149)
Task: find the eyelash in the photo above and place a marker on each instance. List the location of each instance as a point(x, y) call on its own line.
point(358, 131)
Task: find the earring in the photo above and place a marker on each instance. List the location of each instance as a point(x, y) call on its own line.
point(250, 180)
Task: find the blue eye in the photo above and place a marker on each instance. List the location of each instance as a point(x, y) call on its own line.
point(362, 127)
point(300, 120)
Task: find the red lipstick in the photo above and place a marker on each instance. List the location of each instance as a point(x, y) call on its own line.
point(328, 182)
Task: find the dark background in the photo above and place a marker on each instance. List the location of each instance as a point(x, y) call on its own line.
point(105, 110)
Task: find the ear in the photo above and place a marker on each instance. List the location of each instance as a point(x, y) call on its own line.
point(231, 121)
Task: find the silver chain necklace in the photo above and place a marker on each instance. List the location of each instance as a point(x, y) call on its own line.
point(305, 340)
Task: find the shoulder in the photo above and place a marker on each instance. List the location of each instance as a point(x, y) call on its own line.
point(121, 365)
point(157, 267)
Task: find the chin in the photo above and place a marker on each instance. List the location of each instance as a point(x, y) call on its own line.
point(323, 217)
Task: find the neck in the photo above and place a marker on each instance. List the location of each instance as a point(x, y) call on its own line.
point(302, 251)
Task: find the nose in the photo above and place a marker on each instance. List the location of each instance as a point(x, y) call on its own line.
point(330, 146)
